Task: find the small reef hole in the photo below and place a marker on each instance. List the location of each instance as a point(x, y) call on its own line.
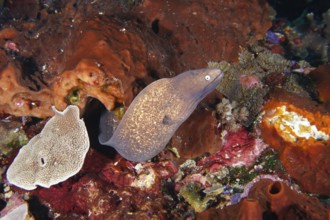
point(275, 188)
point(268, 215)
point(155, 26)
point(3, 204)
point(43, 162)
point(38, 210)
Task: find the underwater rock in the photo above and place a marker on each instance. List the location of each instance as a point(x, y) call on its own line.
point(219, 186)
point(20, 212)
point(305, 37)
point(16, 208)
point(321, 78)
point(190, 193)
point(196, 136)
point(11, 135)
point(299, 129)
point(98, 57)
point(142, 176)
point(111, 188)
point(326, 20)
point(206, 31)
point(119, 172)
point(19, 100)
point(22, 8)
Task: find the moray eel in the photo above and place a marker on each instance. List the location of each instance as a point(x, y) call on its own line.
point(156, 113)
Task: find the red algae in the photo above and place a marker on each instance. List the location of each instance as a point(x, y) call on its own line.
point(110, 187)
point(249, 81)
point(120, 172)
point(239, 149)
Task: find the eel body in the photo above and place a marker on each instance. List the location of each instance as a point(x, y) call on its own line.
point(156, 113)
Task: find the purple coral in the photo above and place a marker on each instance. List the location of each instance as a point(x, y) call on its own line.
point(272, 38)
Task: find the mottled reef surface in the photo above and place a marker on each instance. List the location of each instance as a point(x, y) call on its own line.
point(255, 148)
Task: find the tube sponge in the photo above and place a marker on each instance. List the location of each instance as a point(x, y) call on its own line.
point(54, 155)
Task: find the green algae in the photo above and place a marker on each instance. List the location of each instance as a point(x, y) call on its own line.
point(270, 162)
point(119, 112)
point(73, 97)
point(228, 181)
point(192, 193)
point(11, 136)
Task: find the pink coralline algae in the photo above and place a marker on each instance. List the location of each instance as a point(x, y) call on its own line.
point(11, 46)
point(120, 173)
point(249, 81)
point(239, 149)
point(107, 188)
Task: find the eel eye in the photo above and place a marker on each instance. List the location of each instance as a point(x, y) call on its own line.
point(207, 77)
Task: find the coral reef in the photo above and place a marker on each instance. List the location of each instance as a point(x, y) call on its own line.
point(257, 72)
point(227, 160)
point(19, 100)
point(271, 199)
point(239, 148)
point(320, 77)
point(194, 31)
point(305, 36)
point(12, 135)
point(104, 64)
point(230, 116)
point(90, 62)
point(111, 189)
point(218, 180)
point(205, 139)
point(243, 81)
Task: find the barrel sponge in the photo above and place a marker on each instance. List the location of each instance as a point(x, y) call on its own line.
point(55, 154)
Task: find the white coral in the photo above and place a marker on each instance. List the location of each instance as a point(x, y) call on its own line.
point(231, 115)
point(54, 155)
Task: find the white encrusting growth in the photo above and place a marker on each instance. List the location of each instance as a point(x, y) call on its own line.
point(296, 126)
point(54, 155)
